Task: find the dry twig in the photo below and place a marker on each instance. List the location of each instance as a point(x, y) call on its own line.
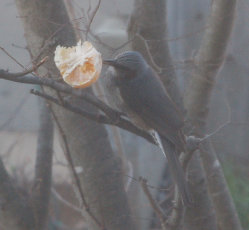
point(91, 19)
point(153, 203)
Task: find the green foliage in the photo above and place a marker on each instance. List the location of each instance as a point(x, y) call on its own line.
point(238, 184)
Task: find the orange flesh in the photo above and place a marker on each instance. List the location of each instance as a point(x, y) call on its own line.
point(81, 75)
point(88, 66)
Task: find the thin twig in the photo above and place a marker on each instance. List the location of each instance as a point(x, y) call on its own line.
point(174, 220)
point(153, 203)
point(8, 152)
point(72, 14)
point(15, 113)
point(229, 119)
point(91, 19)
point(64, 201)
point(21, 74)
point(10, 56)
point(157, 68)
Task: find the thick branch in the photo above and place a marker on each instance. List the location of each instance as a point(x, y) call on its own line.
point(209, 59)
point(100, 118)
point(192, 142)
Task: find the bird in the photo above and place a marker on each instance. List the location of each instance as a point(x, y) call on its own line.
point(135, 89)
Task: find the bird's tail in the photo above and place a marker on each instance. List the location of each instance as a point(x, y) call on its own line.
point(175, 167)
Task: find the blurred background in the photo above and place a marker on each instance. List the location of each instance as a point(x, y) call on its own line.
point(186, 23)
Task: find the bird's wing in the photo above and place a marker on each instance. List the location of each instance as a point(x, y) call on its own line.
point(149, 100)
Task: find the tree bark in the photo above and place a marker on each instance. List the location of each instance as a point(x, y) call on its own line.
point(43, 167)
point(207, 63)
point(46, 24)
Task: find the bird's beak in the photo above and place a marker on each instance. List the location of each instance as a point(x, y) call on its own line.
point(110, 62)
point(115, 64)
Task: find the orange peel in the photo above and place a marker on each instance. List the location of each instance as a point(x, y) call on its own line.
point(80, 65)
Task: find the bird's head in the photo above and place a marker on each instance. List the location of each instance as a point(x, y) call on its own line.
point(127, 64)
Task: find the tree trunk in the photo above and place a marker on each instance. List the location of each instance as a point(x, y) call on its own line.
point(46, 24)
point(148, 26)
point(207, 63)
point(43, 167)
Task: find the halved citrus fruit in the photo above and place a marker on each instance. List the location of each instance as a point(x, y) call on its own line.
point(80, 65)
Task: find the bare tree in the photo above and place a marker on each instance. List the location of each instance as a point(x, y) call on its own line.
point(79, 116)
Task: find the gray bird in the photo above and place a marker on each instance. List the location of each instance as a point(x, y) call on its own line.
point(137, 91)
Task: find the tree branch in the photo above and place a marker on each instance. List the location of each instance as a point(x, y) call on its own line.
point(20, 74)
point(100, 118)
point(61, 87)
point(113, 117)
